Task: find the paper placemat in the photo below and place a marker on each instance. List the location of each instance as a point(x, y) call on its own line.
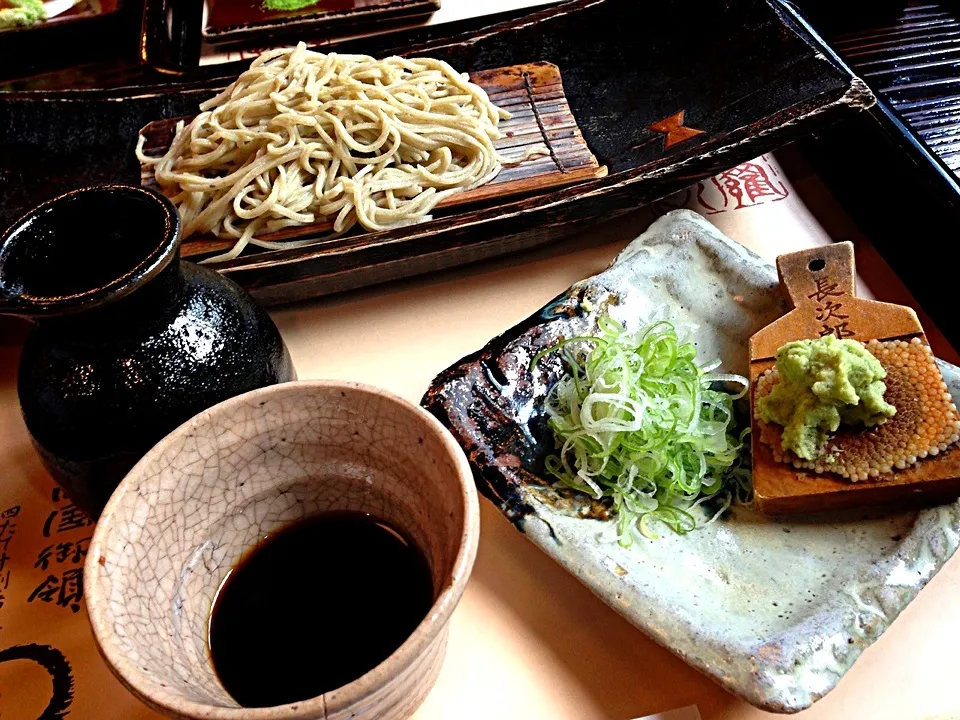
point(688, 713)
point(49, 665)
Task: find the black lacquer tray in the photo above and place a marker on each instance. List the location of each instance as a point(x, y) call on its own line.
point(663, 97)
point(895, 168)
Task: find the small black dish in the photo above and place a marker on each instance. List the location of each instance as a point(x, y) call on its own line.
point(89, 31)
point(173, 31)
point(249, 20)
point(129, 342)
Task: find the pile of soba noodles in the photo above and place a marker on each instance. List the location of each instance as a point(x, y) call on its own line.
point(303, 137)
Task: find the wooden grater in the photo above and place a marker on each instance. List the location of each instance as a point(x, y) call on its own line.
point(820, 285)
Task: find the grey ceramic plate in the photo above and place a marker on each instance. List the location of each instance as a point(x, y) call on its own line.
point(776, 612)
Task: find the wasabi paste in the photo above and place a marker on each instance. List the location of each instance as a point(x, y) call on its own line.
point(824, 383)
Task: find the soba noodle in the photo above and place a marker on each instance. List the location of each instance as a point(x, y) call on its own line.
point(302, 136)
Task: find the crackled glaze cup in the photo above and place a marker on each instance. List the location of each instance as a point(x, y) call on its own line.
point(247, 467)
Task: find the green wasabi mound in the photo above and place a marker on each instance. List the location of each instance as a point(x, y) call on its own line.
point(824, 383)
point(22, 14)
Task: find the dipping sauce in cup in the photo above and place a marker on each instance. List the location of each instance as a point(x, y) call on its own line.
point(353, 519)
point(344, 581)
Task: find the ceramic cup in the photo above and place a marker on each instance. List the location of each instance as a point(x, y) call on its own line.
point(249, 466)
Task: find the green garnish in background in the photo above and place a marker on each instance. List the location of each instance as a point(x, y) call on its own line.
point(287, 5)
point(23, 14)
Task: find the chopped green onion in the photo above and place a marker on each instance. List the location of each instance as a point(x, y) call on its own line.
point(638, 421)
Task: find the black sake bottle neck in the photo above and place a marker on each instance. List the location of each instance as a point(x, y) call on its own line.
point(149, 305)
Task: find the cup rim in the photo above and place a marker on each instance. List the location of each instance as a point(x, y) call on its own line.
point(172, 704)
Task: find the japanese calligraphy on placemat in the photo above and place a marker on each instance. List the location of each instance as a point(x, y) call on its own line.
point(62, 557)
point(747, 185)
point(49, 666)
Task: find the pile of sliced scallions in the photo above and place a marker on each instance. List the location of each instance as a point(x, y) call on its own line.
point(638, 421)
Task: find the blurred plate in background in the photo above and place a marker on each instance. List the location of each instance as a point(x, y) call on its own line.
point(236, 20)
point(56, 12)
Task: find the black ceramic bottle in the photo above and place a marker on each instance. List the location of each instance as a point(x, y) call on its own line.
point(129, 341)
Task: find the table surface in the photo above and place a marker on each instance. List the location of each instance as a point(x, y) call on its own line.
point(528, 640)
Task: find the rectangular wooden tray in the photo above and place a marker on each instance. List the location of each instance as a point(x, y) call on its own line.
point(532, 93)
point(662, 105)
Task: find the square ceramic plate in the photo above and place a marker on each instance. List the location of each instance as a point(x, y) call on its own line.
point(775, 611)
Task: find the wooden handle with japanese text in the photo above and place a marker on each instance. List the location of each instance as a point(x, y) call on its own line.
point(818, 276)
point(821, 285)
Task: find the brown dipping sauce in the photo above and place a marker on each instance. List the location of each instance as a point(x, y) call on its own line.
point(315, 606)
